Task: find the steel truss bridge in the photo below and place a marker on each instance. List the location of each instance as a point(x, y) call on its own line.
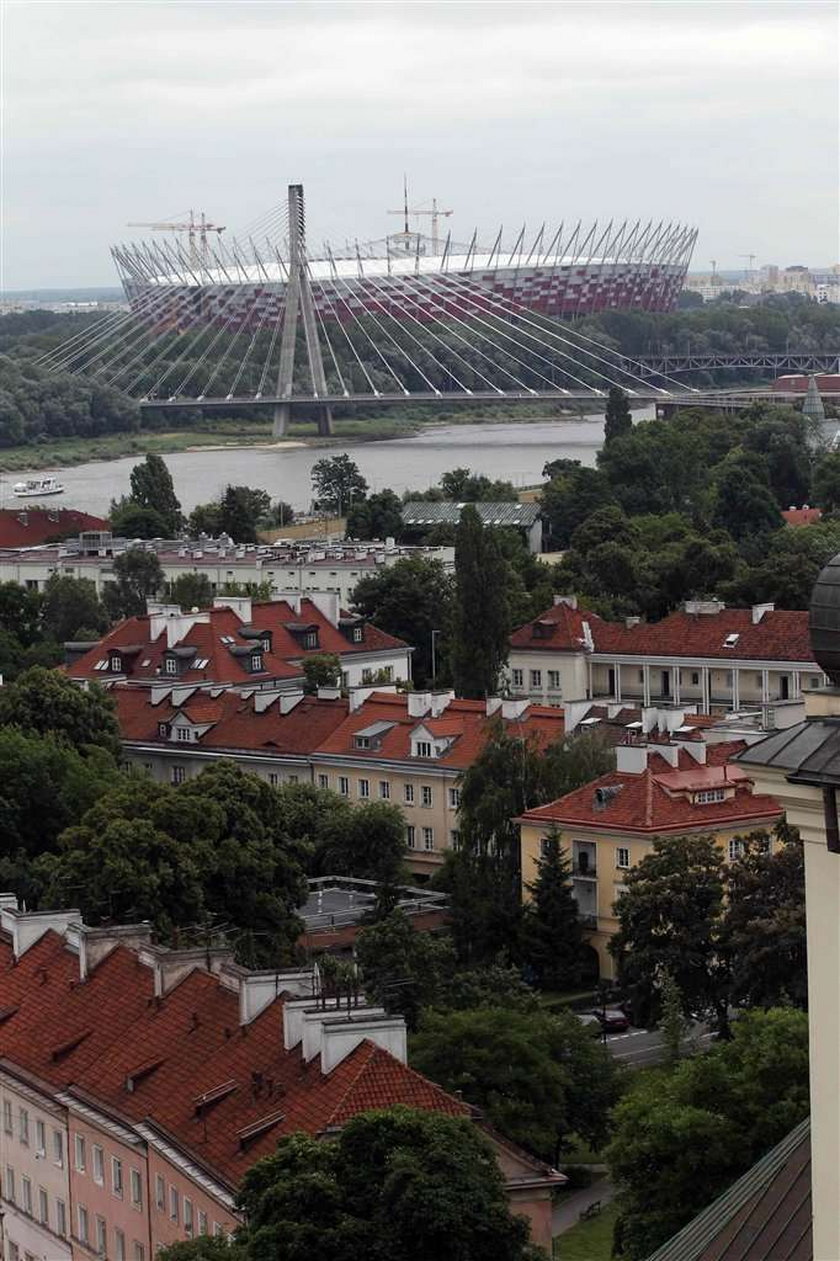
point(414, 335)
point(787, 361)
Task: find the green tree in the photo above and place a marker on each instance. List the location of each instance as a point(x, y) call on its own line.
point(322, 669)
point(206, 519)
point(825, 487)
point(764, 923)
point(669, 920)
point(190, 591)
point(46, 702)
point(369, 846)
point(673, 1022)
point(744, 503)
point(138, 577)
point(152, 487)
point(131, 520)
point(69, 604)
point(242, 510)
point(413, 601)
point(338, 483)
point(553, 931)
point(481, 619)
point(681, 1138)
point(205, 1248)
point(539, 1079)
point(403, 969)
point(377, 517)
point(618, 419)
point(571, 496)
point(20, 612)
point(396, 1183)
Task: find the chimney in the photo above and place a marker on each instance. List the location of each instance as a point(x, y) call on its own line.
point(511, 710)
point(28, 927)
point(573, 713)
point(288, 700)
point(328, 603)
point(339, 1039)
point(316, 1022)
point(93, 944)
point(419, 704)
point(695, 749)
point(440, 701)
point(631, 759)
point(329, 693)
point(492, 705)
point(264, 699)
point(670, 752)
point(241, 605)
point(758, 611)
point(257, 990)
point(703, 608)
point(570, 600)
point(171, 966)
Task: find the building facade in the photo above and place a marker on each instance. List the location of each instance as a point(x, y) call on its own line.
point(669, 788)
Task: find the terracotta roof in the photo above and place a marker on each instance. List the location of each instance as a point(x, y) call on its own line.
point(216, 633)
point(236, 723)
point(178, 1048)
point(27, 527)
point(764, 1216)
point(464, 722)
point(657, 800)
point(779, 635)
point(802, 516)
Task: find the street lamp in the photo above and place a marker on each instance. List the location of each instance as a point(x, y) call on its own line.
point(434, 658)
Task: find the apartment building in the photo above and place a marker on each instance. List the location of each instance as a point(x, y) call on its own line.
point(668, 788)
point(289, 567)
point(409, 749)
point(707, 654)
point(139, 1084)
point(240, 642)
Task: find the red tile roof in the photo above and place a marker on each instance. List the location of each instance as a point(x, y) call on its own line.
point(657, 800)
point(235, 722)
point(464, 722)
point(28, 527)
point(205, 635)
point(802, 516)
point(779, 635)
point(189, 1042)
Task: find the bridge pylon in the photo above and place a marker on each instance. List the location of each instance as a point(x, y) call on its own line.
point(299, 306)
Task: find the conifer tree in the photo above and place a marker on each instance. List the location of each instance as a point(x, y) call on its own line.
point(554, 934)
point(481, 620)
point(618, 420)
point(152, 488)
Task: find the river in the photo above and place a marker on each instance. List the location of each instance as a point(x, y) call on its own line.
point(515, 452)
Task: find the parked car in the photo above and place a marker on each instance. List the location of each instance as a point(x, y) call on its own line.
point(611, 1019)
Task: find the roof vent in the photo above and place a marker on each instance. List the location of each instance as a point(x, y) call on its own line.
point(604, 795)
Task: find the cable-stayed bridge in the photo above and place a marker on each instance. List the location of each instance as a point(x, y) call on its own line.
point(270, 327)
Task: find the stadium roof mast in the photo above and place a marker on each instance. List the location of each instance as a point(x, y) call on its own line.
point(193, 229)
point(408, 239)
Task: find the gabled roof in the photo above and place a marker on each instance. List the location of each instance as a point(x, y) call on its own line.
point(657, 800)
point(778, 635)
point(213, 648)
point(445, 512)
point(764, 1216)
point(27, 527)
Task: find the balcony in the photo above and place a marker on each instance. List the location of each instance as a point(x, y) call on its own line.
point(584, 868)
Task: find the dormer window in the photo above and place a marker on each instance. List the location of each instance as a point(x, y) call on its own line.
point(310, 639)
point(266, 643)
point(185, 734)
point(707, 795)
point(256, 662)
point(362, 742)
point(731, 640)
point(423, 748)
point(116, 663)
point(358, 634)
point(543, 629)
point(170, 665)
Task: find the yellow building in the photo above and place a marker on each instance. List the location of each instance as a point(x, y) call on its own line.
point(657, 790)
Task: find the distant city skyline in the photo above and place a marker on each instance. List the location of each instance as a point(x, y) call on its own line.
point(722, 116)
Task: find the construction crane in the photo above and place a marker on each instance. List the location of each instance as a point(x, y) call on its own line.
point(751, 258)
point(713, 261)
point(436, 215)
point(195, 228)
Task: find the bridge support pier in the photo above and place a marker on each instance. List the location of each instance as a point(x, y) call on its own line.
point(282, 416)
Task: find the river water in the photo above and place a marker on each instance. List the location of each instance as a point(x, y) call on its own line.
point(514, 452)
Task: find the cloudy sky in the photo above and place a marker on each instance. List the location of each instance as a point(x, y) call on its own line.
point(720, 114)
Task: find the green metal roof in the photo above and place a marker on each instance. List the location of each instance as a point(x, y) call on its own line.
point(445, 512)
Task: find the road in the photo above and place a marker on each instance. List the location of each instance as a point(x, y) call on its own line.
point(639, 1047)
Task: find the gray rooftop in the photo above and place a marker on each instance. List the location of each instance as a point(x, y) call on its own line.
point(809, 752)
point(444, 512)
point(340, 901)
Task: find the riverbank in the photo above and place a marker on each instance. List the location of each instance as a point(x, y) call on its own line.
point(234, 434)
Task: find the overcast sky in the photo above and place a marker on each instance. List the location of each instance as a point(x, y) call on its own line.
point(722, 115)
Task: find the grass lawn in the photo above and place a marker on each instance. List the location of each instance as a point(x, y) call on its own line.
point(588, 1241)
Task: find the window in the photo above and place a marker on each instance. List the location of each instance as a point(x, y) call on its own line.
point(98, 1157)
point(40, 1138)
point(170, 665)
point(256, 661)
point(622, 857)
point(9, 1188)
point(364, 787)
point(174, 1205)
point(179, 774)
point(426, 795)
point(163, 730)
point(8, 1123)
point(455, 838)
point(101, 1236)
point(323, 781)
point(411, 836)
point(536, 678)
point(554, 679)
point(408, 794)
point(455, 798)
point(695, 678)
point(60, 1217)
point(814, 680)
point(384, 790)
point(43, 1207)
point(736, 849)
point(428, 838)
point(202, 1222)
point(763, 845)
point(343, 786)
point(139, 1252)
point(116, 662)
point(422, 748)
point(707, 795)
point(217, 1229)
point(80, 1153)
point(185, 734)
point(188, 1218)
point(117, 1177)
point(517, 678)
point(58, 1148)
point(310, 639)
point(358, 634)
point(160, 1193)
point(82, 1220)
point(23, 1126)
point(119, 1245)
point(136, 1189)
point(26, 1194)
point(273, 779)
